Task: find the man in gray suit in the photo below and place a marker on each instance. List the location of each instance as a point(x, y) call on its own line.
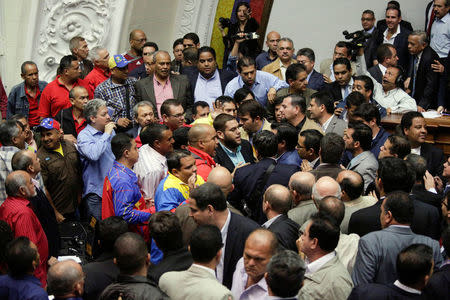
point(378, 250)
point(325, 277)
point(300, 186)
point(321, 110)
point(358, 140)
point(199, 281)
point(163, 85)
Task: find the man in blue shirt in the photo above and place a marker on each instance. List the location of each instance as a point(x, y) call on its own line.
point(262, 84)
point(265, 58)
point(22, 259)
point(94, 146)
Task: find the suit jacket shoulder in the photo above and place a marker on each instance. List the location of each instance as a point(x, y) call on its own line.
point(435, 158)
point(376, 73)
point(336, 125)
point(316, 81)
point(286, 231)
point(310, 124)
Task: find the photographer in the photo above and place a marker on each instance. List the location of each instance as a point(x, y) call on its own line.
point(245, 24)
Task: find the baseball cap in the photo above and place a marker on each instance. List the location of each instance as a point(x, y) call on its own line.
point(49, 123)
point(117, 60)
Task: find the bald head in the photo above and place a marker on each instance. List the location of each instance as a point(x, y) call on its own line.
point(272, 40)
point(262, 238)
point(221, 177)
point(279, 198)
point(136, 33)
point(65, 278)
point(352, 184)
point(198, 132)
point(325, 186)
point(301, 184)
point(203, 137)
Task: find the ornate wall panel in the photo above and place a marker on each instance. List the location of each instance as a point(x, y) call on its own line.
point(57, 21)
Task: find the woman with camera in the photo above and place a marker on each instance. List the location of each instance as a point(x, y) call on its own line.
point(245, 24)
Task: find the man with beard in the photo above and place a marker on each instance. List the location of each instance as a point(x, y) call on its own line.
point(232, 151)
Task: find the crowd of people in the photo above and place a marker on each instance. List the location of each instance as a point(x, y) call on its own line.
point(263, 180)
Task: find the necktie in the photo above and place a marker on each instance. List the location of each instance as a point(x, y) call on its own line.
point(414, 75)
point(347, 87)
point(431, 21)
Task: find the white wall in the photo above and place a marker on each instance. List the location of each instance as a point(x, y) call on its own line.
point(319, 24)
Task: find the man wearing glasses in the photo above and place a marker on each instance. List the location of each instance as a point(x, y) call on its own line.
point(134, 55)
point(119, 93)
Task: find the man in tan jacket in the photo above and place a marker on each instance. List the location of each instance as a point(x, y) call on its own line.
point(285, 51)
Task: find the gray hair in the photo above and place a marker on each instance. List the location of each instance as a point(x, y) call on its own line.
point(156, 54)
point(9, 129)
point(318, 197)
point(75, 41)
point(142, 104)
point(91, 109)
point(422, 35)
point(93, 53)
point(62, 277)
point(21, 161)
point(286, 39)
point(14, 182)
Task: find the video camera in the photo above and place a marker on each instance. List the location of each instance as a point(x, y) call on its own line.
point(225, 22)
point(357, 40)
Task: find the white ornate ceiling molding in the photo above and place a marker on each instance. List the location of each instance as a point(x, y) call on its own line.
point(195, 16)
point(57, 21)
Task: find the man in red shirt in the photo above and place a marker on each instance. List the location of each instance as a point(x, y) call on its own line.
point(203, 142)
point(24, 98)
point(56, 95)
point(134, 55)
point(16, 211)
point(100, 72)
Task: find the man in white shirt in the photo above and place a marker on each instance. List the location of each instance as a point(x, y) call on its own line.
point(248, 278)
point(157, 140)
point(325, 277)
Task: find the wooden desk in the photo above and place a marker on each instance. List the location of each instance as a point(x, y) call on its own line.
point(438, 130)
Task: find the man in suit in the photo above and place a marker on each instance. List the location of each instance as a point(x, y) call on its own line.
point(386, 57)
point(368, 25)
point(437, 287)
point(163, 85)
point(209, 206)
point(306, 57)
point(321, 110)
point(285, 51)
point(409, 284)
point(248, 278)
point(381, 24)
point(207, 81)
point(300, 186)
point(198, 282)
point(250, 182)
point(414, 128)
point(424, 81)
point(79, 48)
point(341, 50)
point(296, 77)
point(396, 35)
point(308, 147)
point(342, 86)
point(352, 186)
point(293, 110)
point(358, 140)
point(143, 115)
point(377, 251)
point(132, 258)
point(165, 230)
point(276, 204)
point(325, 277)
point(331, 148)
point(284, 276)
point(232, 151)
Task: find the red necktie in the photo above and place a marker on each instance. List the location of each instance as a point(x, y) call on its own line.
point(432, 17)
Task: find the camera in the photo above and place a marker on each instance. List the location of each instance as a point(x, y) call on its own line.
point(357, 40)
point(247, 36)
point(225, 22)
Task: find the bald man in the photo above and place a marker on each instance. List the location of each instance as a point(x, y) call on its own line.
point(325, 186)
point(248, 278)
point(276, 204)
point(134, 55)
point(270, 56)
point(202, 144)
point(66, 280)
point(352, 186)
point(300, 186)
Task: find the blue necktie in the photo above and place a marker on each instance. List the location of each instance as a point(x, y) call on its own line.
point(414, 75)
